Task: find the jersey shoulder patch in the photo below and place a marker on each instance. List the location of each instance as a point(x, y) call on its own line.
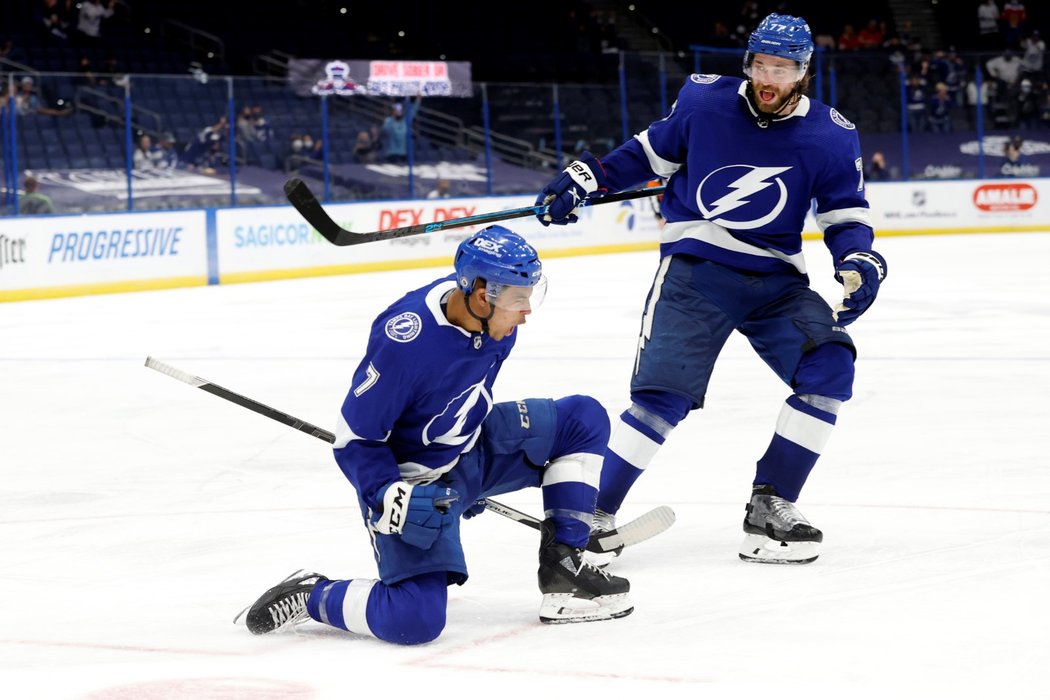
point(404, 327)
point(837, 117)
point(704, 78)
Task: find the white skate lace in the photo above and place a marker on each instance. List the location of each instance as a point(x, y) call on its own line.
point(288, 611)
point(585, 564)
point(602, 521)
point(786, 512)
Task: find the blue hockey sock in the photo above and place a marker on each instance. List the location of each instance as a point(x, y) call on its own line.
point(570, 486)
point(570, 480)
point(636, 440)
point(408, 612)
point(802, 432)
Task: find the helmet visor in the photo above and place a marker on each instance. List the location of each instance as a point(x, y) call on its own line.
point(773, 70)
point(513, 297)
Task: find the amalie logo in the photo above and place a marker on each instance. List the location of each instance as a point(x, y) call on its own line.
point(1011, 196)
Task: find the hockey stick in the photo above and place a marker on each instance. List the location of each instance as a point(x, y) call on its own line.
point(648, 525)
point(640, 529)
point(307, 205)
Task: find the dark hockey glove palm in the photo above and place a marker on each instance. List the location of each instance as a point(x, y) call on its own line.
point(417, 513)
point(860, 273)
point(475, 508)
point(563, 194)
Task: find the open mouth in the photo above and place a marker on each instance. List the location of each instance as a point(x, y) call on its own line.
point(767, 96)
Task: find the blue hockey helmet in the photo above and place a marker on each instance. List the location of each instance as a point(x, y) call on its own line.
point(502, 259)
point(784, 36)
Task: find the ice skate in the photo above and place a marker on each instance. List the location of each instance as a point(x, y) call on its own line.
point(575, 590)
point(603, 522)
point(283, 606)
point(776, 532)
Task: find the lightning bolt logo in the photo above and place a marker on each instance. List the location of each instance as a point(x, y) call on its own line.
point(460, 419)
point(754, 180)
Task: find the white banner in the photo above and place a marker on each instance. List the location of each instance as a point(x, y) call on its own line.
point(65, 255)
point(928, 206)
point(255, 242)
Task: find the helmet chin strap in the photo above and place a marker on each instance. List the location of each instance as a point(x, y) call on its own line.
point(484, 320)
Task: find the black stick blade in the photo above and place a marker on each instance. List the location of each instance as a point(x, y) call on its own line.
point(310, 209)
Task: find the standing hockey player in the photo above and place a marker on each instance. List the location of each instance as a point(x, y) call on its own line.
point(421, 440)
point(744, 159)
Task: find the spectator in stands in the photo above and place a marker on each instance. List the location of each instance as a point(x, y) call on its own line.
point(952, 72)
point(972, 101)
point(163, 154)
point(86, 76)
point(55, 16)
point(395, 131)
point(906, 33)
point(877, 170)
point(917, 104)
point(246, 125)
point(142, 159)
point(364, 151)
point(313, 148)
point(206, 150)
point(34, 202)
point(89, 23)
point(1027, 105)
point(1033, 49)
point(871, 36)
point(940, 113)
point(1014, 16)
point(263, 130)
point(28, 102)
point(989, 36)
point(848, 40)
point(1005, 69)
point(303, 150)
point(442, 189)
point(1015, 161)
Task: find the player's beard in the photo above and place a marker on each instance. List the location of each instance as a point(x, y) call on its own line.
point(784, 94)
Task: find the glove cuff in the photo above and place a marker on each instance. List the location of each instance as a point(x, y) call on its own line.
point(872, 258)
point(395, 498)
point(581, 172)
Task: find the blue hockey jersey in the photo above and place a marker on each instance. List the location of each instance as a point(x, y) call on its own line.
point(418, 396)
point(738, 192)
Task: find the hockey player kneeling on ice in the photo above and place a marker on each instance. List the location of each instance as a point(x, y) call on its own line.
point(423, 443)
point(744, 160)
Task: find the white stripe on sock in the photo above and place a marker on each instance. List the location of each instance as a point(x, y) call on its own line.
point(633, 446)
point(803, 429)
point(355, 605)
point(583, 467)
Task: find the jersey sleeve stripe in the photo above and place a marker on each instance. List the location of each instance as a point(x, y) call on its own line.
point(852, 215)
point(663, 168)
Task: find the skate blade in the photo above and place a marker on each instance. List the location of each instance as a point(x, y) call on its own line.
point(763, 550)
point(564, 608)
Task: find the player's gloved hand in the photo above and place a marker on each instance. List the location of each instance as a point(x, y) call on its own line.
point(417, 513)
point(475, 508)
point(564, 193)
point(860, 273)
